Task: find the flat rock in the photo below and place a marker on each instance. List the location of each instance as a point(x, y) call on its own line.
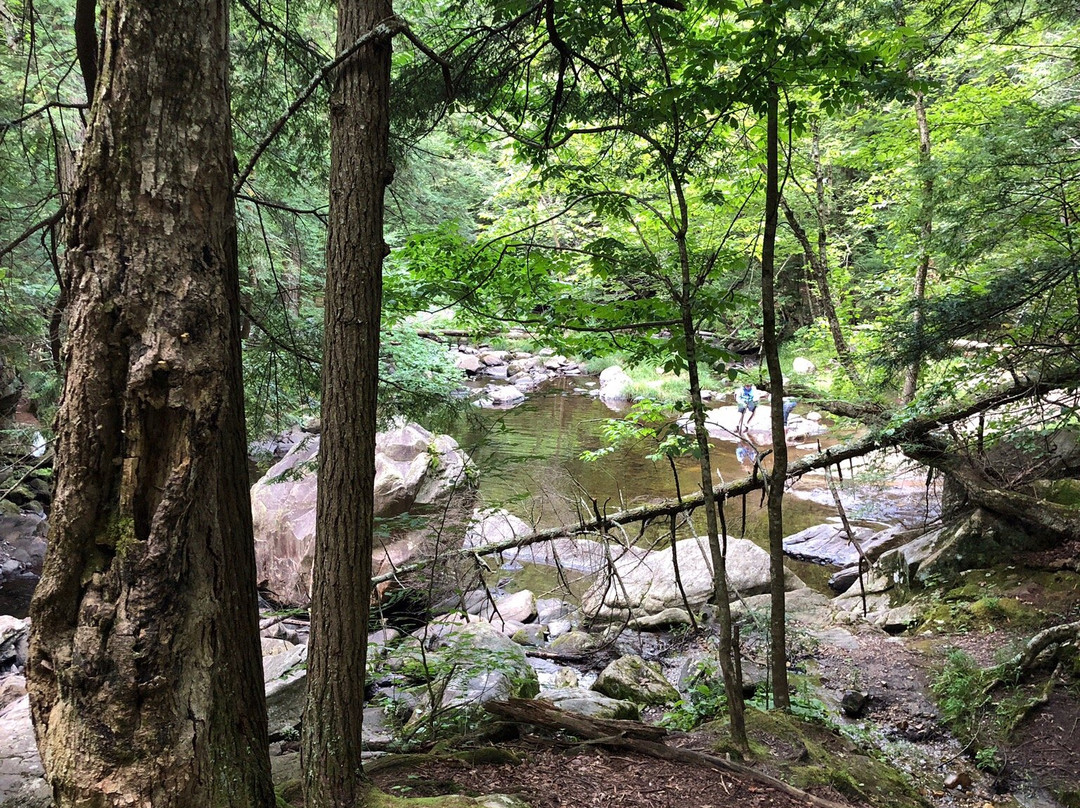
point(827, 544)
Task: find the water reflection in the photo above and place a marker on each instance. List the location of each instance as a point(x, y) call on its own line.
point(530, 463)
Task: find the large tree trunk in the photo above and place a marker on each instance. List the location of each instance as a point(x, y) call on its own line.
point(778, 475)
point(145, 675)
point(359, 173)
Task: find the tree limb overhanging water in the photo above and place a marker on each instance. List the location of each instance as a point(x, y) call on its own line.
point(1024, 385)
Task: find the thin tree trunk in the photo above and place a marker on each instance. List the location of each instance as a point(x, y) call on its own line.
point(926, 231)
point(145, 671)
point(778, 475)
point(359, 173)
point(721, 595)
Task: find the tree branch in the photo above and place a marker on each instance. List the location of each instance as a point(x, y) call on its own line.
point(384, 30)
point(901, 434)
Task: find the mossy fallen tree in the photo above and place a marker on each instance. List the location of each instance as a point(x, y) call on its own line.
point(898, 433)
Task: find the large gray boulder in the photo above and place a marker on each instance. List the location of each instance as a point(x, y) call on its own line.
point(644, 582)
point(631, 678)
point(413, 468)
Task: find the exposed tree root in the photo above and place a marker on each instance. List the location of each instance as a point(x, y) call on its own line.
point(637, 737)
point(1028, 658)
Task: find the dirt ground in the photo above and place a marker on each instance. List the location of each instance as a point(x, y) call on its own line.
point(579, 776)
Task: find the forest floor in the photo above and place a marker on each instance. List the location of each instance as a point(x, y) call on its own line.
point(1038, 758)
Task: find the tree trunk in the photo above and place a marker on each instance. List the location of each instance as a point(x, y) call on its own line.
point(717, 552)
point(819, 269)
point(359, 172)
point(778, 474)
point(145, 676)
point(926, 231)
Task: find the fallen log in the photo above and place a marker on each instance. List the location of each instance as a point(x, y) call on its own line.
point(636, 737)
point(885, 436)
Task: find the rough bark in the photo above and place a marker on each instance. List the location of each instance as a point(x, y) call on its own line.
point(145, 671)
point(777, 476)
point(359, 172)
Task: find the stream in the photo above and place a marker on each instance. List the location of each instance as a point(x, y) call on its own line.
point(530, 463)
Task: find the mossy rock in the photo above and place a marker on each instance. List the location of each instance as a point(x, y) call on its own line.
point(808, 754)
point(1069, 797)
point(1061, 492)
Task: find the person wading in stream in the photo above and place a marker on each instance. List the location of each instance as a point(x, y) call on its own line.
point(746, 398)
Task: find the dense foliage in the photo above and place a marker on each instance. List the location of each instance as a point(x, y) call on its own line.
point(582, 149)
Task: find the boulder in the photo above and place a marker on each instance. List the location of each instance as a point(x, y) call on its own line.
point(493, 358)
point(978, 540)
point(556, 362)
point(532, 634)
point(12, 688)
point(498, 372)
point(501, 395)
point(827, 544)
point(285, 678)
point(590, 704)
point(22, 779)
point(483, 665)
point(14, 636)
point(494, 525)
point(644, 583)
point(466, 362)
point(414, 468)
point(662, 621)
point(519, 607)
point(523, 364)
point(573, 644)
point(802, 366)
point(631, 678)
point(615, 384)
point(377, 732)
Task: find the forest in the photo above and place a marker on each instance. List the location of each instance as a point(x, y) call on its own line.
point(526, 403)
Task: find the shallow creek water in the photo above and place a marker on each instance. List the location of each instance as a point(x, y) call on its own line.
point(530, 463)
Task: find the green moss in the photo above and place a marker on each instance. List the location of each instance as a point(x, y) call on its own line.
point(119, 534)
point(1061, 492)
point(378, 799)
point(808, 753)
point(1069, 797)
